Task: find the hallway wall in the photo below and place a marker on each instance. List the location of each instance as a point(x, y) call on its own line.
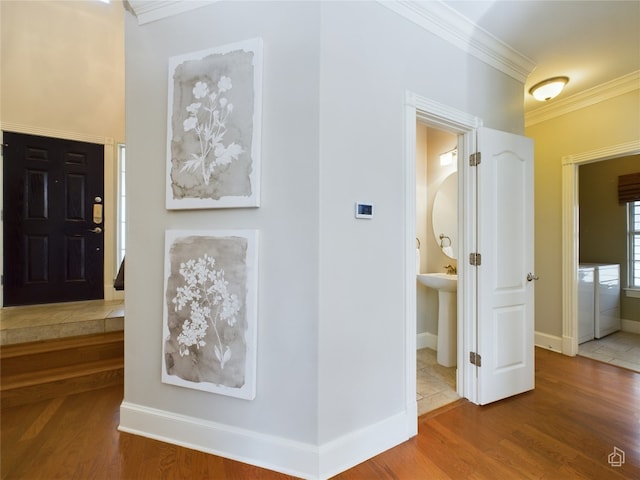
point(332, 359)
point(611, 122)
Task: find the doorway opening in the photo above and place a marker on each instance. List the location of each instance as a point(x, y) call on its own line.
point(37, 322)
point(459, 125)
point(436, 253)
point(570, 232)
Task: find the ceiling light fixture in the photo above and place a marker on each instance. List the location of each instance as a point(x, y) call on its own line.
point(549, 88)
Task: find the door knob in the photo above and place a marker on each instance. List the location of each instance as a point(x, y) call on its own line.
point(531, 277)
point(96, 230)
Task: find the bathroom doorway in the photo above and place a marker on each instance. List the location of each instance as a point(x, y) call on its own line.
point(436, 252)
point(462, 127)
point(489, 322)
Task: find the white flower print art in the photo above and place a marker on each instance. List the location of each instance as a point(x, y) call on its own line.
point(213, 132)
point(209, 311)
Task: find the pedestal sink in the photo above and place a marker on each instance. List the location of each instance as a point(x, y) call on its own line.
point(447, 286)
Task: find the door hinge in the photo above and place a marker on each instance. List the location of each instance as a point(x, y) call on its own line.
point(3, 145)
point(475, 259)
point(475, 359)
point(474, 159)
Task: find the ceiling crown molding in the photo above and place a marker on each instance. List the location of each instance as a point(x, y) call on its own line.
point(147, 11)
point(448, 24)
point(619, 86)
point(433, 16)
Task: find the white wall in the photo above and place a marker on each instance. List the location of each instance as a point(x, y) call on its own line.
point(63, 66)
point(611, 122)
point(369, 59)
point(286, 401)
point(331, 351)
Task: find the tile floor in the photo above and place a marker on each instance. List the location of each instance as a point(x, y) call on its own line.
point(436, 385)
point(619, 348)
point(44, 322)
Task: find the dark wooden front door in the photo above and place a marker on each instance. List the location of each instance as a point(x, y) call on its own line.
point(53, 223)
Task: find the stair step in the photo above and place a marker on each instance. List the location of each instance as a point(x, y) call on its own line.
point(8, 351)
point(52, 368)
point(21, 380)
point(41, 355)
point(24, 388)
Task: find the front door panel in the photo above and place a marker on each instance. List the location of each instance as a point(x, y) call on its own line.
point(53, 249)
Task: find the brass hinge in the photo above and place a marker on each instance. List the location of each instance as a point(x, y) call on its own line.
point(474, 159)
point(475, 259)
point(475, 359)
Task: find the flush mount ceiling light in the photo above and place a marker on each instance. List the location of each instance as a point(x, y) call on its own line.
point(549, 88)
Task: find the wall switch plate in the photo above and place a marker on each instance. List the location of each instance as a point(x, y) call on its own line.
point(364, 210)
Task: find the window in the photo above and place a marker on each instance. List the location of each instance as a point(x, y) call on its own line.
point(634, 244)
point(121, 208)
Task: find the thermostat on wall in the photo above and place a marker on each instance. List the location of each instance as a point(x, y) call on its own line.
point(364, 210)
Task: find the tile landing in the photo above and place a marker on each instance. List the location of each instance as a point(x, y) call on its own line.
point(436, 385)
point(44, 322)
point(620, 348)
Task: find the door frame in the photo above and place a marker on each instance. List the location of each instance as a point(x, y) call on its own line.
point(570, 236)
point(442, 117)
point(110, 196)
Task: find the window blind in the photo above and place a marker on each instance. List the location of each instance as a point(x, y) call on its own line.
point(629, 188)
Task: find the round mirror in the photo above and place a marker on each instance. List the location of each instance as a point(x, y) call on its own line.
point(445, 216)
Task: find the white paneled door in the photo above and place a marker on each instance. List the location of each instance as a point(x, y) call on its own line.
point(505, 275)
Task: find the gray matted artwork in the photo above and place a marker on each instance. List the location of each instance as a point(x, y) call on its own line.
point(210, 305)
point(214, 127)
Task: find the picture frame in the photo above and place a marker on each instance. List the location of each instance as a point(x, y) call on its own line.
point(210, 311)
point(214, 117)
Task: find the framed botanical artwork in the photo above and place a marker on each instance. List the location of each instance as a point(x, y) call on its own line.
point(210, 311)
point(214, 127)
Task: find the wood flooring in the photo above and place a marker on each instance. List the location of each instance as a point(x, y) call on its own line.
point(565, 429)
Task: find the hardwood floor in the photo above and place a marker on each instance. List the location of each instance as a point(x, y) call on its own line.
point(566, 428)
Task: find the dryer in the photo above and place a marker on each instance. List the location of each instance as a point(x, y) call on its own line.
point(606, 299)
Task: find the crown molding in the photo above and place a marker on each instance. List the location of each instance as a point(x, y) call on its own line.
point(147, 11)
point(433, 16)
point(455, 28)
point(619, 86)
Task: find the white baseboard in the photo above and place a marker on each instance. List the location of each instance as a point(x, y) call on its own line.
point(630, 326)
point(266, 451)
point(427, 340)
point(549, 342)
point(565, 344)
point(274, 453)
point(356, 447)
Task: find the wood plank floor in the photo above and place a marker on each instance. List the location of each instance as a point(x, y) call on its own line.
point(565, 429)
